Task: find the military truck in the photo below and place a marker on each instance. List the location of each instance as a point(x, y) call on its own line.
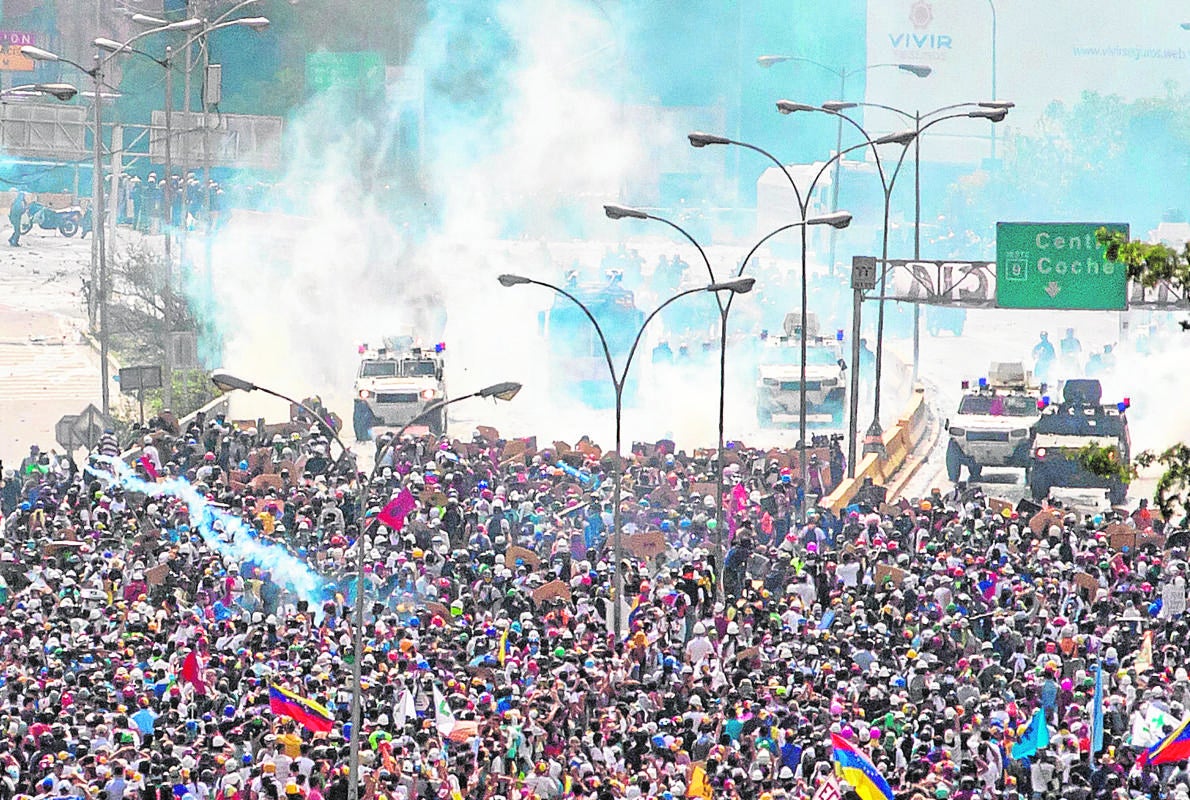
point(1067, 427)
point(396, 383)
point(778, 391)
point(994, 423)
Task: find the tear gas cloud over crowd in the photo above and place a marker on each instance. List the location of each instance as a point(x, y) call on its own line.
point(533, 119)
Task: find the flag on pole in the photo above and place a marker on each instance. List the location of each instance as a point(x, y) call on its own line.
point(1144, 656)
point(859, 771)
point(828, 789)
point(300, 709)
point(1174, 747)
point(404, 711)
point(1097, 713)
point(393, 515)
point(1148, 728)
point(444, 718)
point(192, 672)
point(1035, 737)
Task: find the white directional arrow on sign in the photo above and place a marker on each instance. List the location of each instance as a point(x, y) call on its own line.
point(1052, 288)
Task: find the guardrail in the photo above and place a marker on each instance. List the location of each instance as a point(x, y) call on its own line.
point(899, 441)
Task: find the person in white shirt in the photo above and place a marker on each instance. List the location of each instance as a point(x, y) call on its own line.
point(699, 647)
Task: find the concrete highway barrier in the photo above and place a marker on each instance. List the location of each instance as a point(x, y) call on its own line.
point(900, 440)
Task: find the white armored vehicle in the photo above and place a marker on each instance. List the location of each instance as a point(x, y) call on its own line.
point(778, 393)
point(995, 422)
point(397, 382)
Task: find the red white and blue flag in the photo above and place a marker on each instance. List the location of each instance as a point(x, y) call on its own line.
point(1173, 748)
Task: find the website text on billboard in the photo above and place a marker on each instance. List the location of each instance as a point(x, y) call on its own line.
point(1135, 53)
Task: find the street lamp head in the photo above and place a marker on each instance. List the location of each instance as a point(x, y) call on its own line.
point(920, 70)
point(255, 23)
point(505, 390)
point(836, 219)
point(507, 280)
point(37, 54)
point(768, 61)
point(62, 91)
point(1004, 104)
point(736, 285)
point(620, 212)
point(838, 105)
point(184, 24)
point(992, 114)
point(789, 107)
point(226, 382)
point(903, 137)
point(109, 45)
point(145, 19)
point(700, 139)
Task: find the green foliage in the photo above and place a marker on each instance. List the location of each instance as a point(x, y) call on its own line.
point(1103, 462)
point(1098, 152)
point(1173, 487)
point(192, 390)
point(1149, 264)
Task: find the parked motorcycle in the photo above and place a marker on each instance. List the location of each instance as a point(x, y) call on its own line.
point(66, 221)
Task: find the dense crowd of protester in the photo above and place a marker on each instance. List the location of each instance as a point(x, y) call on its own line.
point(144, 628)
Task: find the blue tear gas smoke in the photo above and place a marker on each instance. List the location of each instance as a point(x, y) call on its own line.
point(241, 547)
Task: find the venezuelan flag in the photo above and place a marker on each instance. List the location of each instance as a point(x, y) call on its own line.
point(855, 768)
point(1175, 747)
point(298, 708)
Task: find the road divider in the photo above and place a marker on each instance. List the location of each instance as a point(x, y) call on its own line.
point(900, 441)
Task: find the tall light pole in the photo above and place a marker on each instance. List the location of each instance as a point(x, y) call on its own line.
point(167, 64)
point(990, 109)
point(917, 70)
point(500, 391)
point(887, 183)
point(98, 239)
point(803, 202)
point(836, 220)
point(255, 23)
point(505, 390)
point(738, 285)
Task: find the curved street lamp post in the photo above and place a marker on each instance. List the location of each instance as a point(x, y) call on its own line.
point(993, 111)
point(505, 390)
point(99, 276)
point(839, 219)
point(167, 64)
point(835, 220)
point(916, 70)
point(990, 110)
point(736, 286)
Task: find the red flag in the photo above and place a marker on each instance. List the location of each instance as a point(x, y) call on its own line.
point(393, 515)
point(192, 672)
point(147, 463)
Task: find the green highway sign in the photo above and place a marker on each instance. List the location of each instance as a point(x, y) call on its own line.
point(1057, 265)
point(360, 73)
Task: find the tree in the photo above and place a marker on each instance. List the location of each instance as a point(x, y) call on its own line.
point(136, 314)
point(1149, 264)
point(1099, 157)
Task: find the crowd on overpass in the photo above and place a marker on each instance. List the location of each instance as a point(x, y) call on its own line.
point(181, 625)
